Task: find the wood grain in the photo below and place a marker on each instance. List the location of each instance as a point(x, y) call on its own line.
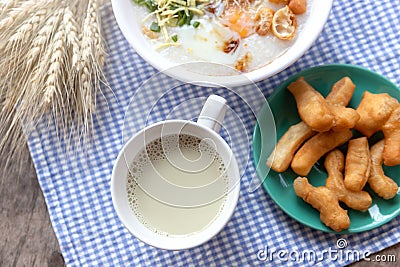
point(27, 237)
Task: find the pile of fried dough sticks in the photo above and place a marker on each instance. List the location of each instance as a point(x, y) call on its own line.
point(328, 123)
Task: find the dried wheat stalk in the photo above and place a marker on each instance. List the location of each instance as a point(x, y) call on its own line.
point(52, 59)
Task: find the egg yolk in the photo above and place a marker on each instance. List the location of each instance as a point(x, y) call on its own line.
point(239, 21)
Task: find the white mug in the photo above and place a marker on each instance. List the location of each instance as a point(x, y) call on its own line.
point(206, 129)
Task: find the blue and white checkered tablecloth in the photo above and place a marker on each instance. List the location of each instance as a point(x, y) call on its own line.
point(76, 185)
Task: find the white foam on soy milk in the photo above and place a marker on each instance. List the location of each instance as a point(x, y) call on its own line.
point(177, 185)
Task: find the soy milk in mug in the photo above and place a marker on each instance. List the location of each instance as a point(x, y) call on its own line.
point(167, 180)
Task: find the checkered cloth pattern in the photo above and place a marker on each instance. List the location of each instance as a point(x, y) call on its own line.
point(76, 185)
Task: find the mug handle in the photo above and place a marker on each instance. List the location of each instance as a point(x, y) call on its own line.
point(213, 112)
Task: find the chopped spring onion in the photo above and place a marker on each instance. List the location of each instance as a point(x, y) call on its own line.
point(174, 38)
point(182, 19)
point(150, 4)
point(189, 18)
point(155, 27)
point(172, 13)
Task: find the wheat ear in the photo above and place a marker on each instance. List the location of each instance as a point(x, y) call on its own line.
point(53, 81)
point(88, 64)
point(15, 45)
point(42, 38)
point(52, 58)
point(18, 13)
point(5, 6)
point(72, 38)
point(29, 27)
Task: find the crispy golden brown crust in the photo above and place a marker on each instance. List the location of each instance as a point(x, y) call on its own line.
point(374, 110)
point(334, 164)
point(298, 6)
point(384, 186)
point(338, 98)
point(316, 147)
point(321, 135)
point(311, 105)
point(263, 19)
point(345, 118)
point(342, 92)
point(325, 201)
point(284, 2)
point(288, 144)
point(358, 164)
point(284, 24)
point(391, 130)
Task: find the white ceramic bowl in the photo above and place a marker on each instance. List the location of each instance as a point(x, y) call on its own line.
point(123, 11)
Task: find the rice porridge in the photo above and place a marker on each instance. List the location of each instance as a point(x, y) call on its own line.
point(243, 34)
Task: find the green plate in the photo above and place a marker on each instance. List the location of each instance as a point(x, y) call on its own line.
point(280, 185)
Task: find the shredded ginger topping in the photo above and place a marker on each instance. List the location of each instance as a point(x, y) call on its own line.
point(172, 13)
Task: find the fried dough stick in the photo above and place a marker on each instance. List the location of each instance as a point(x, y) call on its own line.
point(334, 164)
point(384, 186)
point(374, 110)
point(358, 164)
point(345, 118)
point(342, 92)
point(338, 98)
point(340, 95)
point(325, 201)
point(288, 144)
point(391, 131)
point(316, 147)
point(311, 105)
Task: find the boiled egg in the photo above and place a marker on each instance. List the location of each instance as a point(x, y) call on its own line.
point(211, 41)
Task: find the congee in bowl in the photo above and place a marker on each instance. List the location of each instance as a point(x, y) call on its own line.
point(256, 38)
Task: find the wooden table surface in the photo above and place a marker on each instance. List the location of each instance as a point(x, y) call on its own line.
point(27, 237)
